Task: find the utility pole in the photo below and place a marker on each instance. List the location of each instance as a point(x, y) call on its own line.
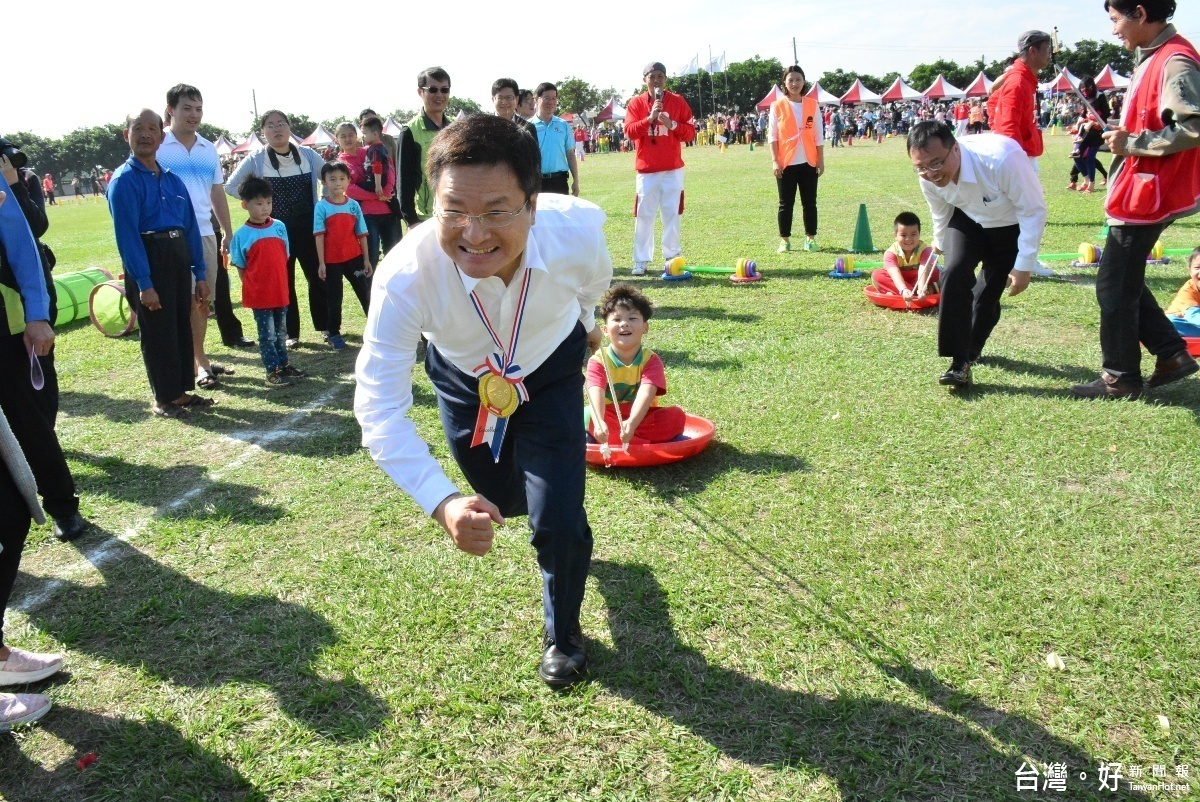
point(795, 57)
point(254, 98)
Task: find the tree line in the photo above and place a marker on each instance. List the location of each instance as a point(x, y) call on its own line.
point(87, 151)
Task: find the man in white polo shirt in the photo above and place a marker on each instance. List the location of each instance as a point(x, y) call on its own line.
point(196, 162)
point(988, 208)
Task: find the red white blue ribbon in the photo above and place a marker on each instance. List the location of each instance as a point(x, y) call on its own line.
point(489, 427)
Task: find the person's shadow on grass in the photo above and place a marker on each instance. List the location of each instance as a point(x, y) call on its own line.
point(135, 762)
point(685, 478)
point(872, 749)
point(153, 618)
point(145, 484)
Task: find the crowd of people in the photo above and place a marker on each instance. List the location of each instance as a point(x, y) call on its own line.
point(505, 308)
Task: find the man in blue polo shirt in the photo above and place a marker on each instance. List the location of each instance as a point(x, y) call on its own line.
point(159, 242)
point(557, 144)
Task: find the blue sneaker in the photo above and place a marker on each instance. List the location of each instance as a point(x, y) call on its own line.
point(336, 342)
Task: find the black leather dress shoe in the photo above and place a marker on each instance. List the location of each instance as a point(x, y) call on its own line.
point(1172, 369)
point(242, 342)
point(1108, 386)
point(70, 528)
point(957, 376)
point(560, 669)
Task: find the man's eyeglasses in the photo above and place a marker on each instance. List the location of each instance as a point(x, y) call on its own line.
point(487, 219)
point(433, 90)
point(932, 167)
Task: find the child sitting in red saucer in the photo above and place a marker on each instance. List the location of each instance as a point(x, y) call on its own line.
point(632, 372)
point(902, 260)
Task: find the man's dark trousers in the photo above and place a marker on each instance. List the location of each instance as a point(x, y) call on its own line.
point(540, 472)
point(31, 414)
point(970, 307)
point(166, 333)
point(1129, 315)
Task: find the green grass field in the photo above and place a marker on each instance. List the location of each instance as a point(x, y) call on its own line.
point(850, 595)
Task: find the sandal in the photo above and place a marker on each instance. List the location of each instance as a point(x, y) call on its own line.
point(220, 370)
point(168, 411)
point(206, 381)
point(196, 401)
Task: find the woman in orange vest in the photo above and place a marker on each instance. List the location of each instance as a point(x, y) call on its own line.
point(1154, 180)
point(796, 133)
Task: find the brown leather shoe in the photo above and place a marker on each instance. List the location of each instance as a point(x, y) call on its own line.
point(1108, 386)
point(1172, 369)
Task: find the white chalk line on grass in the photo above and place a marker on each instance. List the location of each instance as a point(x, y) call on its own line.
point(107, 551)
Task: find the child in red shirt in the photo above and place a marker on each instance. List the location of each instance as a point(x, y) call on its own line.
point(341, 233)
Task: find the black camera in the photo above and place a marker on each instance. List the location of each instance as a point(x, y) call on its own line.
point(15, 156)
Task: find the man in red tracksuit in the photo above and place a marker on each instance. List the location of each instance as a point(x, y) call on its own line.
point(1012, 107)
point(658, 122)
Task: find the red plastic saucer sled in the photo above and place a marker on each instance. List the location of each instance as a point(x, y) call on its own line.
point(889, 300)
point(697, 432)
point(1193, 345)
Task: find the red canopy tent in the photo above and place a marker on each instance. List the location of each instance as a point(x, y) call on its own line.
point(823, 97)
point(900, 91)
point(1064, 82)
point(941, 89)
point(224, 146)
point(770, 98)
point(1110, 79)
point(318, 138)
point(613, 111)
point(252, 144)
point(858, 93)
point(980, 87)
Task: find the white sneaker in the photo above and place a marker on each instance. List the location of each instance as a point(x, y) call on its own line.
point(21, 708)
point(1040, 269)
point(639, 269)
point(23, 667)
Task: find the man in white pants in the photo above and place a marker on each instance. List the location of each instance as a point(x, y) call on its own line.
point(659, 123)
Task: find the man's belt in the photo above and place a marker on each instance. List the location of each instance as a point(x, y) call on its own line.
point(562, 174)
point(171, 233)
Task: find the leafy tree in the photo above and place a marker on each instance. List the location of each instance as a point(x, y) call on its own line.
point(402, 116)
point(576, 96)
point(1089, 57)
point(302, 125)
point(457, 104)
point(839, 81)
point(213, 132)
point(738, 89)
point(45, 155)
point(923, 75)
point(84, 151)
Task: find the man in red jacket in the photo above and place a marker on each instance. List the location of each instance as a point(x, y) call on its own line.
point(658, 122)
point(1012, 107)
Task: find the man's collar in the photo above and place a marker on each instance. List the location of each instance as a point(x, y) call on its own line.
point(137, 165)
point(531, 259)
point(170, 137)
point(1161, 39)
point(429, 124)
point(966, 170)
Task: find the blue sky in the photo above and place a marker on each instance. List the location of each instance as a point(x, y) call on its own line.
point(306, 57)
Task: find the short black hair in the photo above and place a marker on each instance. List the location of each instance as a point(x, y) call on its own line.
point(544, 87)
point(622, 295)
point(906, 219)
point(1156, 10)
point(180, 91)
point(365, 113)
point(329, 168)
point(262, 121)
point(1194, 254)
point(925, 132)
point(523, 95)
point(486, 139)
point(505, 83)
point(255, 187)
point(373, 123)
point(434, 73)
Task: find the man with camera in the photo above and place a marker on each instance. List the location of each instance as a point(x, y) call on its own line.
point(29, 394)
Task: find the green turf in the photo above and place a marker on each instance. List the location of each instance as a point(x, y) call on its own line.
point(849, 595)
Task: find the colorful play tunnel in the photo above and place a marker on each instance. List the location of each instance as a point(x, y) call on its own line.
point(73, 291)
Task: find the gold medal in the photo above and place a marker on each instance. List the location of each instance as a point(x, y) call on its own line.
point(498, 396)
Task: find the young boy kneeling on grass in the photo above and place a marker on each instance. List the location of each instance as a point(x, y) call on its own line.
point(259, 251)
point(901, 261)
point(1184, 311)
point(634, 373)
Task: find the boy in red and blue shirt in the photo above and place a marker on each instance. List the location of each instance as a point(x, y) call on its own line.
point(259, 251)
point(341, 233)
